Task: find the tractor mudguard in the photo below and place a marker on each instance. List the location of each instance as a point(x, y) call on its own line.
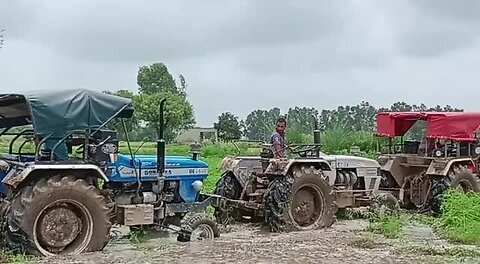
point(14, 179)
point(284, 167)
point(241, 167)
point(442, 167)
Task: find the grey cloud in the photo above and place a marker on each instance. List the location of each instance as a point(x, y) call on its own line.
point(132, 31)
point(436, 28)
point(360, 41)
point(465, 10)
point(436, 41)
point(11, 12)
point(242, 55)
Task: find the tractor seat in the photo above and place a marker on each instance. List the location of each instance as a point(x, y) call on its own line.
point(267, 153)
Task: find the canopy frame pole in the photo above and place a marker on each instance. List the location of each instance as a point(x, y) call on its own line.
point(445, 147)
point(402, 144)
point(108, 120)
point(37, 151)
point(390, 145)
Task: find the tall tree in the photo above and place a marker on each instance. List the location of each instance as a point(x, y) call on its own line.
point(154, 79)
point(183, 85)
point(156, 83)
point(228, 126)
point(364, 117)
point(260, 123)
point(179, 114)
point(302, 120)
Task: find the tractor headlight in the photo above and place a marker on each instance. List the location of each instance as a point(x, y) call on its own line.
point(197, 185)
point(113, 157)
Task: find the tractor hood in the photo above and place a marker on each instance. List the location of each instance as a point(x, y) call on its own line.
point(150, 161)
point(345, 161)
point(176, 168)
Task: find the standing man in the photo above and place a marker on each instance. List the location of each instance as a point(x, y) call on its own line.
point(278, 138)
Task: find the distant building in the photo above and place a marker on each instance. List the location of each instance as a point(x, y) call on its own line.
point(197, 134)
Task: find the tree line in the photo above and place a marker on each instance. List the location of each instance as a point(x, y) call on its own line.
point(259, 124)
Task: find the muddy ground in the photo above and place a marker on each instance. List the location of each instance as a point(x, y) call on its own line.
point(345, 242)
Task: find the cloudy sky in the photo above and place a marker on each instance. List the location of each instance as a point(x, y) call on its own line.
point(250, 54)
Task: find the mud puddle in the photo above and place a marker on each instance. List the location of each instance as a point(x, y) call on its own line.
point(345, 242)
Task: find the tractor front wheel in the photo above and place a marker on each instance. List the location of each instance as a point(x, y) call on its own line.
point(58, 215)
point(197, 227)
point(302, 201)
point(228, 187)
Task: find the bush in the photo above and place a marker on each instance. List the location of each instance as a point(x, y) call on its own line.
point(340, 141)
point(460, 219)
point(390, 225)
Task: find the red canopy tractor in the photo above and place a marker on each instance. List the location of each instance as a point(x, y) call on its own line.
point(458, 126)
point(418, 172)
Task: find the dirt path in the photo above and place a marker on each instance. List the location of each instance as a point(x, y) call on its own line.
point(343, 243)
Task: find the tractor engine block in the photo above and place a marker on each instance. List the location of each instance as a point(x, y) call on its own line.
point(346, 178)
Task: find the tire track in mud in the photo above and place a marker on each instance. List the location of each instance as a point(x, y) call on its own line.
point(343, 243)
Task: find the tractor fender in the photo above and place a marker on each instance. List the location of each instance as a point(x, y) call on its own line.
point(441, 167)
point(14, 179)
point(241, 167)
point(387, 165)
point(284, 167)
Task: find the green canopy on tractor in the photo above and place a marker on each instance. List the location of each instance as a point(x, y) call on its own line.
point(57, 113)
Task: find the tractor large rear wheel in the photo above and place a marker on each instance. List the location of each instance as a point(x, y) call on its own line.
point(229, 187)
point(460, 178)
point(465, 181)
point(302, 201)
point(58, 215)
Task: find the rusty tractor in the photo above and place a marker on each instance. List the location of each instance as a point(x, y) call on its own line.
point(419, 172)
point(302, 192)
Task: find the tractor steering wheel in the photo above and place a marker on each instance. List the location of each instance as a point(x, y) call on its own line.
point(302, 150)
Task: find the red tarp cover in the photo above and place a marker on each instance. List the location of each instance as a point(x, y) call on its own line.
point(459, 126)
point(392, 124)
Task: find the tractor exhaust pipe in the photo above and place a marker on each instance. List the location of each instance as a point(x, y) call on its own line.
point(161, 141)
point(317, 140)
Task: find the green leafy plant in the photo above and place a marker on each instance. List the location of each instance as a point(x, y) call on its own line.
point(138, 236)
point(389, 225)
point(10, 257)
point(460, 219)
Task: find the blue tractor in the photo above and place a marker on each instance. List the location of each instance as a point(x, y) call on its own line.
point(63, 193)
